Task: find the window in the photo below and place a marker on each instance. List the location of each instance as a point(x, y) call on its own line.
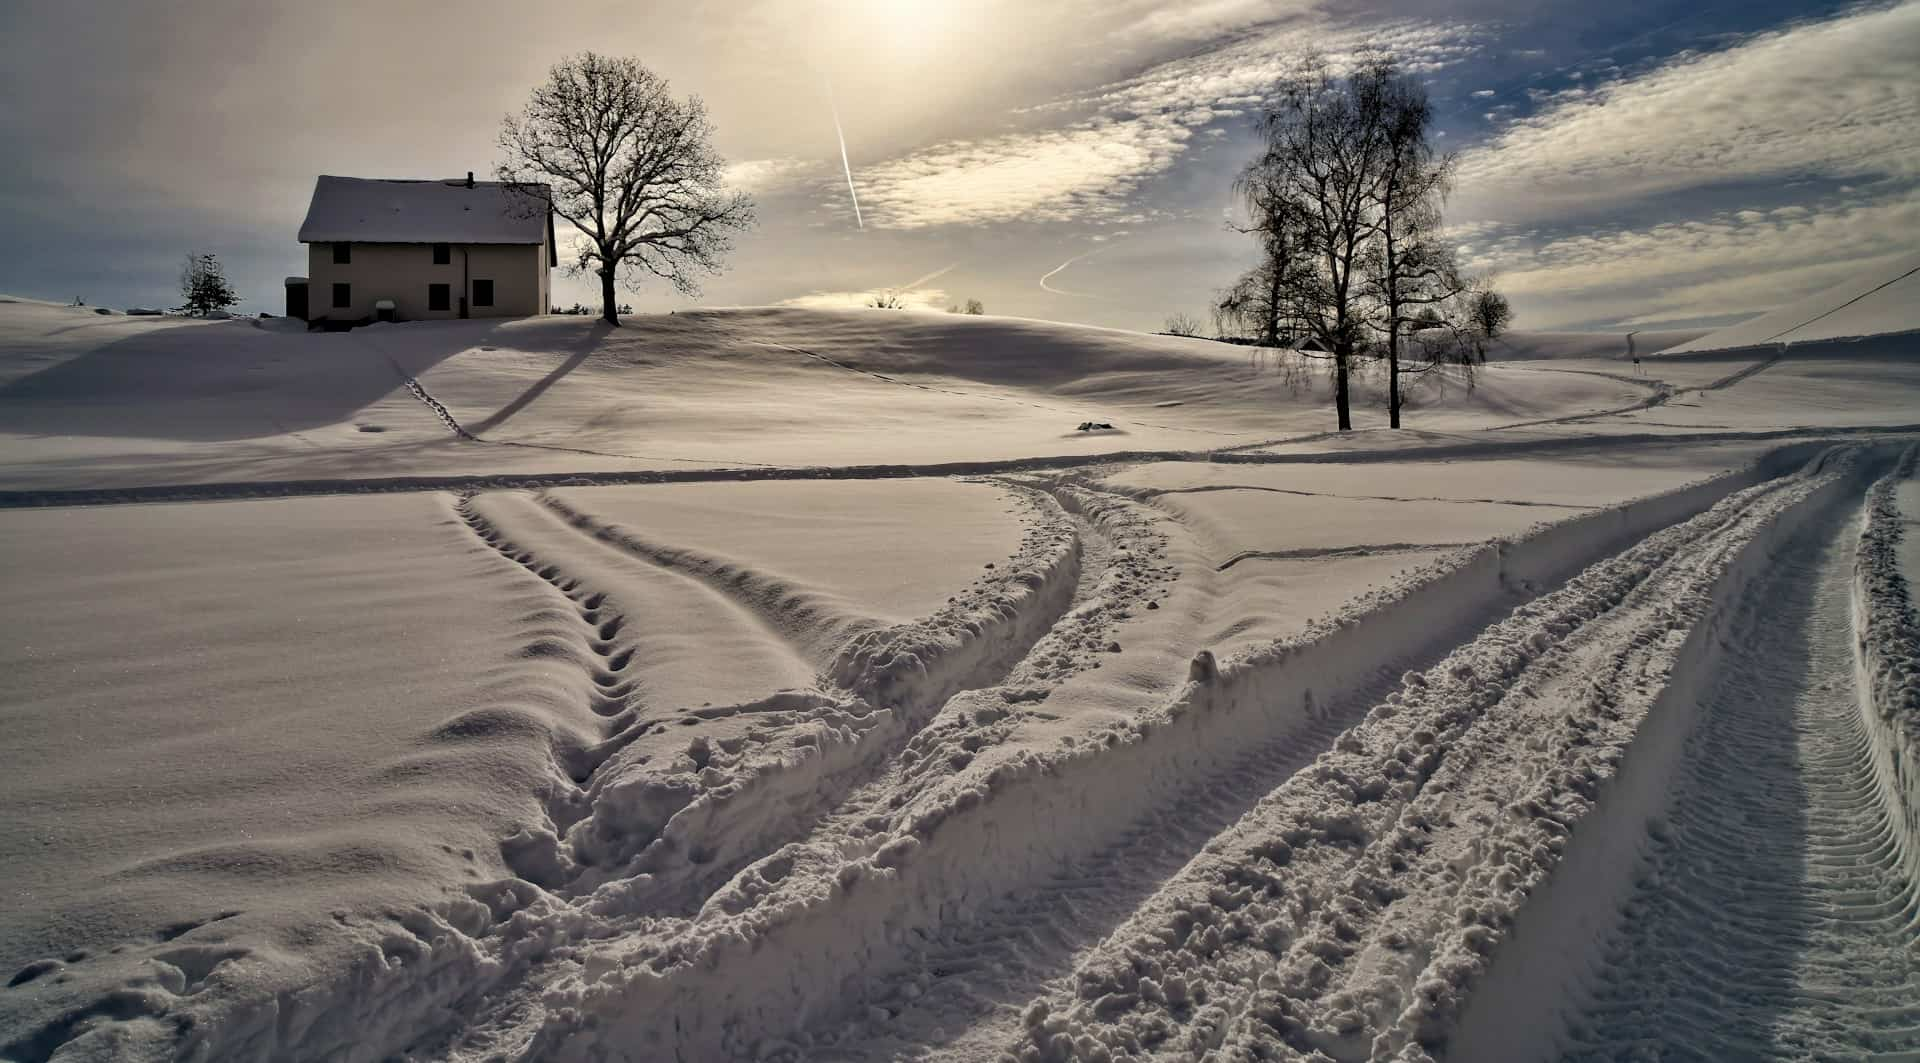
point(342, 295)
point(483, 293)
point(439, 296)
point(342, 254)
point(442, 254)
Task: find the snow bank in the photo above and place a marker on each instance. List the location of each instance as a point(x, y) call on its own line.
point(810, 934)
point(1548, 955)
point(1353, 911)
point(1888, 630)
point(667, 812)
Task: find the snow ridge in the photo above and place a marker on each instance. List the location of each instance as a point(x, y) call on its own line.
point(1888, 631)
point(1355, 908)
point(812, 933)
point(1766, 915)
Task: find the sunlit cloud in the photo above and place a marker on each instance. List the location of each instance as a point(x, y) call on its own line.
point(1835, 99)
point(769, 176)
point(1091, 168)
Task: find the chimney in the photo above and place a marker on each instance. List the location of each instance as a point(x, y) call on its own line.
point(469, 178)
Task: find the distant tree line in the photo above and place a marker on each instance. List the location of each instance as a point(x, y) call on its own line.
point(1345, 203)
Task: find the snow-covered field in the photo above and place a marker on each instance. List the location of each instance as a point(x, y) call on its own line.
point(787, 684)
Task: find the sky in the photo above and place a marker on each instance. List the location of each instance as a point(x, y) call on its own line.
point(1629, 164)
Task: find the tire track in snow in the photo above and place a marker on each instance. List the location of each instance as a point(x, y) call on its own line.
point(1360, 550)
point(813, 622)
point(1663, 394)
point(1773, 919)
point(741, 472)
point(1120, 571)
point(976, 978)
point(1293, 931)
point(606, 658)
point(1158, 492)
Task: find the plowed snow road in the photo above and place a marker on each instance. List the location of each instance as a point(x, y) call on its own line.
point(1772, 921)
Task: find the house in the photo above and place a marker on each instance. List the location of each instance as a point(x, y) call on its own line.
point(420, 250)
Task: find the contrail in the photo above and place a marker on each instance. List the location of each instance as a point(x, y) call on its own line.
point(934, 276)
point(1056, 270)
point(843, 157)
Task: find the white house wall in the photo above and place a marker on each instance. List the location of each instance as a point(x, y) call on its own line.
point(402, 272)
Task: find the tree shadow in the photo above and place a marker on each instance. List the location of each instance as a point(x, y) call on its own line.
point(582, 350)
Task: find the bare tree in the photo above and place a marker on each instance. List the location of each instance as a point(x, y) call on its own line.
point(631, 166)
point(1182, 325)
point(1254, 307)
point(1317, 179)
point(886, 300)
point(1412, 274)
point(1490, 313)
point(1345, 198)
point(1257, 305)
point(976, 307)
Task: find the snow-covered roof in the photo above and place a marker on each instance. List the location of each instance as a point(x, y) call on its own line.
point(378, 210)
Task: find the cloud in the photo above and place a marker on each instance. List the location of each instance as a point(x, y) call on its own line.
point(1728, 263)
point(1089, 168)
point(1081, 173)
point(1834, 99)
point(771, 176)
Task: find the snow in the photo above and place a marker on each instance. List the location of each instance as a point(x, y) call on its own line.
point(1881, 300)
point(239, 756)
point(1523, 345)
point(858, 542)
point(117, 403)
point(1259, 513)
point(373, 210)
point(780, 684)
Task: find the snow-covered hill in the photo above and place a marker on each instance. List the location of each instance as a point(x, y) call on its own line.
point(1527, 346)
point(1876, 302)
point(91, 401)
point(373, 696)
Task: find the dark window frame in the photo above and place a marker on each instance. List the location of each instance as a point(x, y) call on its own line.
point(439, 297)
point(480, 286)
point(342, 253)
point(342, 295)
point(442, 254)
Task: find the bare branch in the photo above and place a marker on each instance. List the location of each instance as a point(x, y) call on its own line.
point(614, 153)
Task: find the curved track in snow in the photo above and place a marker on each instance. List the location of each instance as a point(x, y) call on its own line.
point(1773, 920)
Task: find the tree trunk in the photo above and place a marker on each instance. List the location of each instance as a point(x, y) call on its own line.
point(607, 305)
point(1340, 391)
point(1272, 338)
point(1393, 375)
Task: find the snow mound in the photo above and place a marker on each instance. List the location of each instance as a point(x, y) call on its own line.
point(1878, 302)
